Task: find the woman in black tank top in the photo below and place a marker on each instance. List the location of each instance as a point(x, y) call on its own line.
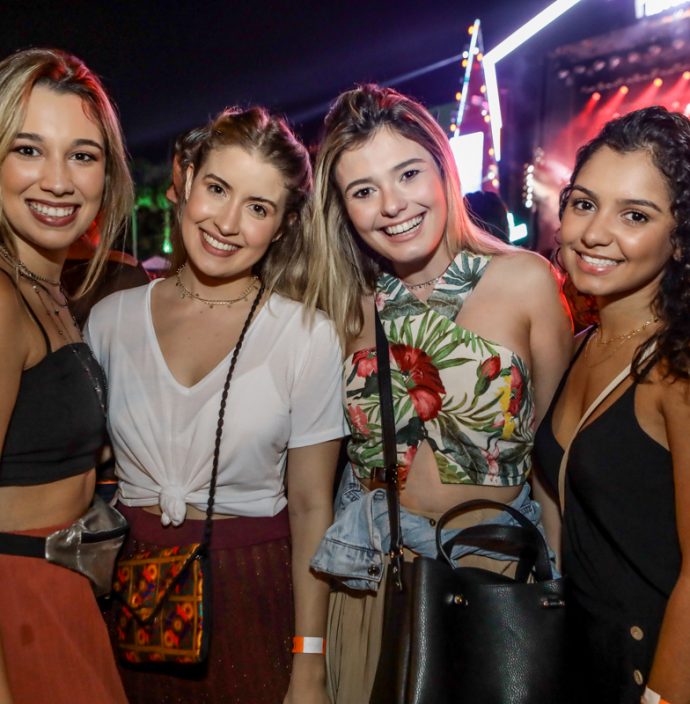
point(625, 228)
point(62, 167)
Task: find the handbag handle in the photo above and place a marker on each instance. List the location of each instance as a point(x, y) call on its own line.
point(532, 541)
point(208, 527)
point(507, 539)
point(390, 453)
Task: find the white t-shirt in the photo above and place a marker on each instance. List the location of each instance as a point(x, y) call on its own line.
point(286, 392)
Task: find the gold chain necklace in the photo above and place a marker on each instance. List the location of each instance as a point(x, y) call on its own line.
point(620, 339)
point(24, 270)
point(210, 302)
point(626, 335)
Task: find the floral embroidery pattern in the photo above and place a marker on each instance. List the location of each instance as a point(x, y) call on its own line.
point(468, 397)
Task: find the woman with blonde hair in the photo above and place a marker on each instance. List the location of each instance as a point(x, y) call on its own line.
point(478, 340)
point(166, 348)
point(62, 167)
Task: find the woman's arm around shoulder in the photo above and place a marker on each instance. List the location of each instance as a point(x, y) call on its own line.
point(670, 675)
point(310, 476)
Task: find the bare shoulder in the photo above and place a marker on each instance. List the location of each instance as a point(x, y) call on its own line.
point(11, 307)
point(14, 343)
point(367, 337)
point(672, 394)
point(525, 267)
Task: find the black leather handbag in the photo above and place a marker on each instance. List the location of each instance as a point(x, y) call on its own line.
point(454, 634)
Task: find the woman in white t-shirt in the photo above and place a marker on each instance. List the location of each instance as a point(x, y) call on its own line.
point(166, 348)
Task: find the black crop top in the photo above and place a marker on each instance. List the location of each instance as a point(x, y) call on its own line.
point(57, 424)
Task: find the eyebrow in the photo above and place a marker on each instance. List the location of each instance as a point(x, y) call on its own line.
point(623, 201)
point(223, 182)
point(32, 136)
point(397, 167)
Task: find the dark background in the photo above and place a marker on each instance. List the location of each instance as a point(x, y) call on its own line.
point(171, 65)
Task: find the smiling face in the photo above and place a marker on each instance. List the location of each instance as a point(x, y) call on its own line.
point(235, 205)
point(617, 224)
point(395, 199)
point(52, 179)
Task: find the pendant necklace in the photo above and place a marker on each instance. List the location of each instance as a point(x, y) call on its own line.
point(97, 381)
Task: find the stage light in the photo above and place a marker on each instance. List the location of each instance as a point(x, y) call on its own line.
point(487, 118)
point(458, 95)
point(491, 151)
point(517, 231)
point(470, 30)
point(624, 90)
point(599, 65)
point(596, 96)
point(633, 57)
point(686, 75)
point(647, 8)
point(614, 62)
point(482, 90)
point(467, 65)
point(518, 37)
point(495, 183)
point(579, 69)
point(563, 73)
point(658, 82)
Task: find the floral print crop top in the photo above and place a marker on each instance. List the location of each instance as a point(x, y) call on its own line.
point(470, 398)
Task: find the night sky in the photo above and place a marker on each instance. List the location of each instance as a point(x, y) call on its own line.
point(170, 66)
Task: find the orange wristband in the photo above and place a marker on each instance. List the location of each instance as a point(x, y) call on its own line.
point(307, 644)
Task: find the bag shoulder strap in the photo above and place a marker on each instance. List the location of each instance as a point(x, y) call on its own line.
point(208, 524)
point(390, 452)
point(610, 387)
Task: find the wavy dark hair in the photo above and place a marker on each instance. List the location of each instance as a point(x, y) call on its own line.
point(666, 137)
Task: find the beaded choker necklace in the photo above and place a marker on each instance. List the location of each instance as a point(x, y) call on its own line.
point(424, 284)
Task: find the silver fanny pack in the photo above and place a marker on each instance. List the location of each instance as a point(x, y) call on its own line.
point(89, 545)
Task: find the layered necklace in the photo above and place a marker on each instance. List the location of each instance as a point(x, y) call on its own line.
point(211, 302)
point(53, 307)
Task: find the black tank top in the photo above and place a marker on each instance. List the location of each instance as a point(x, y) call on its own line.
point(57, 424)
point(620, 546)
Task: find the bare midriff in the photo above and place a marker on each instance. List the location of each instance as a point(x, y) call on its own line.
point(46, 505)
point(425, 493)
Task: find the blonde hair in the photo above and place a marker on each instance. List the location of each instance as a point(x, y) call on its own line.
point(64, 73)
point(354, 118)
point(285, 266)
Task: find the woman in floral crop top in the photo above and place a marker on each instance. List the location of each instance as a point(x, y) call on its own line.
point(478, 340)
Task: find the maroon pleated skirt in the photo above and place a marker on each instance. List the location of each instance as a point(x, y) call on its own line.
point(55, 642)
point(249, 659)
